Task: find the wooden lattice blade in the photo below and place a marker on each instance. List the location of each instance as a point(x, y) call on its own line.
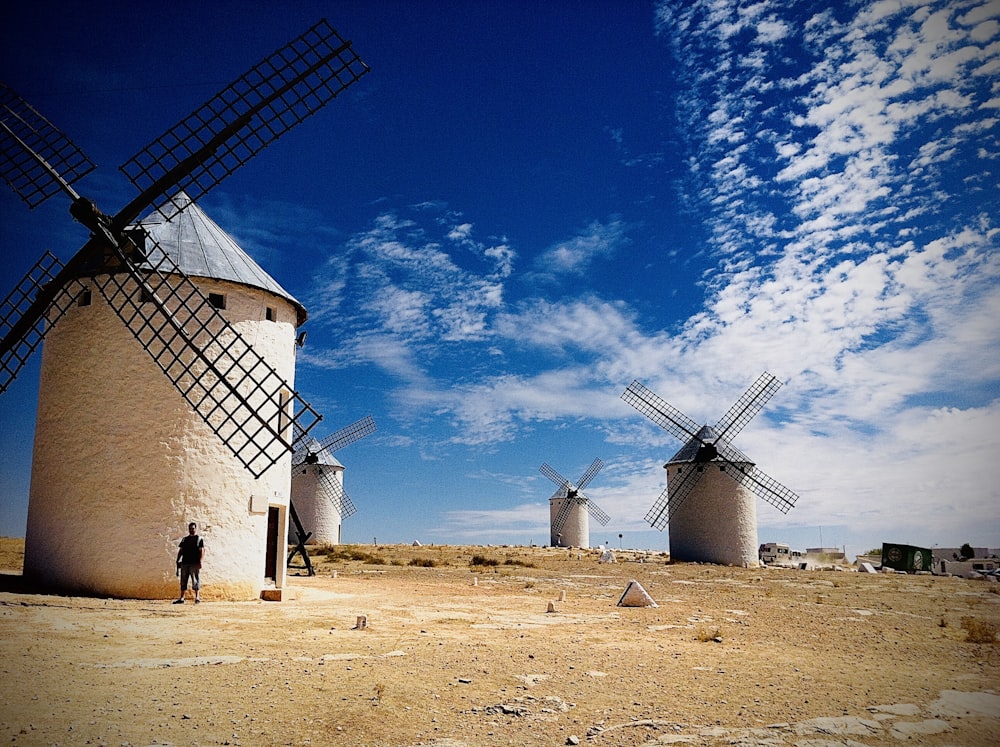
point(747, 406)
point(666, 416)
point(597, 512)
point(30, 310)
point(763, 486)
point(590, 474)
point(563, 513)
point(679, 487)
point(236, 392)
point(347, 435)
point(550, 473)
point(26, 139)
point(275, 95)
point(334, 492)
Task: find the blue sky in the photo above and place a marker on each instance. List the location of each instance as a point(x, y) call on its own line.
point(525, 206)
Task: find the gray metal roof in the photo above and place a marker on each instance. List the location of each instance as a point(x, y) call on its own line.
point(202, 249)
point(689, 451)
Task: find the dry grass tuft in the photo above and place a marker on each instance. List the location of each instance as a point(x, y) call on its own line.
point(978, 631)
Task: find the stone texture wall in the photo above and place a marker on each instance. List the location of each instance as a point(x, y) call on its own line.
point(122, 463)
point(716, 523)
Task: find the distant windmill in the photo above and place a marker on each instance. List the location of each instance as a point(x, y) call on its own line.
point(569, 508)
point(121, 462)
point(319, 502)
point(709, 498)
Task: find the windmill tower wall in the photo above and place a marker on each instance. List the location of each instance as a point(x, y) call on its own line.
point(575, 530)
point(122, 463)
point(716, 523)
point(317, 513)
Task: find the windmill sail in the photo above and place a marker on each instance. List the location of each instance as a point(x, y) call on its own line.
point(36, 159)
point(14, 307)
point(272, 97)
point(312, 452)
point(572, 495)
point(706, 445)
point(245, 402)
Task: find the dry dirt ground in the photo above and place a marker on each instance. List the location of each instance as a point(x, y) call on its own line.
point(456, 654)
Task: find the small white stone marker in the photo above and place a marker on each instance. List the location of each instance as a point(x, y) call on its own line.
point(362, 622)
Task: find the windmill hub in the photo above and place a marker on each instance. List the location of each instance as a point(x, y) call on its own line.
point(706, 453)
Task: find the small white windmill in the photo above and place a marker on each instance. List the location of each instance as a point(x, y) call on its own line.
point(319, 501)
point(570, 510)
point(709, 498)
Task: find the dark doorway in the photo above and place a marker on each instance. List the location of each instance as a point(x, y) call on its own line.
point(273, 528)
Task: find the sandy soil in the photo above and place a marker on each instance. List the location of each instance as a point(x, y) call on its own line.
point(457, 654)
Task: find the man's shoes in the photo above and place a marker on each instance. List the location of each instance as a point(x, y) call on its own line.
point(197, 601)
point(178, 601)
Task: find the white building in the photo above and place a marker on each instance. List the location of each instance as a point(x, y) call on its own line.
point(318, 513)
point(575, 530)
point(122, 463)
point(717, 521)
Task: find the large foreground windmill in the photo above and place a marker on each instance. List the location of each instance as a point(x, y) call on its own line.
point(709, 498)
point(166, 387)
point(570, 509)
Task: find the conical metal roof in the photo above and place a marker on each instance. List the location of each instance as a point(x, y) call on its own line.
point(689, 451)
point(202, 249)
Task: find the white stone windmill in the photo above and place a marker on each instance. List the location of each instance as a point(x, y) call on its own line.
point(166, 387)
point(570, 510)
point(319, 501)
point(709, 498)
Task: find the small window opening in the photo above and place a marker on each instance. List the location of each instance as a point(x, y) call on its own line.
point(84, 298)
point(269, 313)
point(217, 300)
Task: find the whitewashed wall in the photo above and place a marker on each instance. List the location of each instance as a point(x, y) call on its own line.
point(122, 463)
point(575, 531)
point(716, 523)
point(315, 510)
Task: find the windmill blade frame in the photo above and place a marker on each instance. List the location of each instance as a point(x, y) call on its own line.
point(347, 435)
point(14, 307)
point(37, 160)
point(564, 510)
point(674, 495)
point(201, 354)
point(745, 408)
point(665, 415)
point(275, 95)
point(764, 487)
point(334, 492)
point(553, 475)
point(597, 512)
point(596, 466)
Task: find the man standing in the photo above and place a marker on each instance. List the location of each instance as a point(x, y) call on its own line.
point(189, 554)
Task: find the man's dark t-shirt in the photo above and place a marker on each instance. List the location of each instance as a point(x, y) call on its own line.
point(191, 548)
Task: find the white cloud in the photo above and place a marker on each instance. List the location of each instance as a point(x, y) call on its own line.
point(574, 256)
